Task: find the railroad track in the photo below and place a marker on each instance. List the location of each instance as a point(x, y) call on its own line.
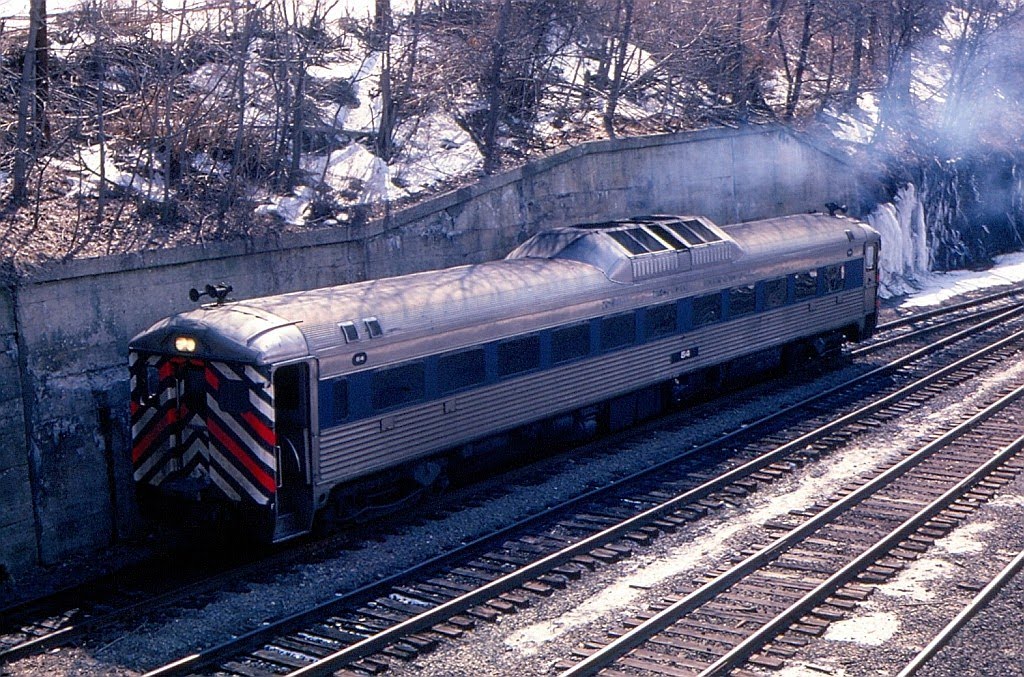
point(408, 614)
point(112, 606)
point(979, 602)
point(939, 320)
point(809, 567)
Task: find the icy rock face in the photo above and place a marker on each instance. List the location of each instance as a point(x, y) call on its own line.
point(904, 257)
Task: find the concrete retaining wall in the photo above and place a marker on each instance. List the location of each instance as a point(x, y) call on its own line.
point(71, 322)
point(17, 521)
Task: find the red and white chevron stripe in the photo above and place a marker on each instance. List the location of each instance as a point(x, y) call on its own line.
point(230, 450)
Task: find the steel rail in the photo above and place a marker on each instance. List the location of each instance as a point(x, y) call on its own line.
point(892, 340)
point(976, 604)
point(332, 662)
point(671, 614)
point(928, 314)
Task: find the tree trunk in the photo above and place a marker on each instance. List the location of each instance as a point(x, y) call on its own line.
point(494, 108)
point(853, 90)
point(42, 45)
point(241, 101)
point(801, 63)
point(28, 102)
point(384, 143)
point(101, 129)
point(615, 87)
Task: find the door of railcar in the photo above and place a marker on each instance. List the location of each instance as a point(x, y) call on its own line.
point(170, 437)
point(193, 436)
point(292, 420)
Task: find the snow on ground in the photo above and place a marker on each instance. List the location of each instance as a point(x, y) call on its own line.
point(857, 127)
point(651, 569)
point(432, 149)
point(936, 288)
point(904, 258)
point(94, 166)
point(871, 629)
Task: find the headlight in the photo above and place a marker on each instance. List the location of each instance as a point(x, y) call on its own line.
point(185, 344)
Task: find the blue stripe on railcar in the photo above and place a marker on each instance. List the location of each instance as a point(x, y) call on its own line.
point(362, 394)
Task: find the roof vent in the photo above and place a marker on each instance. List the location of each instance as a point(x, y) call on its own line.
point(635, 249)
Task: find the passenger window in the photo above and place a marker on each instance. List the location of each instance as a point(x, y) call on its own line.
point(333, 402)
point(460, 370)
point(398, 385)
point(518, 355)
point(775, 293)
point(660, 320)
point(835, 277)
point(233, 396)
point(806, 286)
point(570, 343)
point(741, 300)
point(617, 331)
point(707, 310)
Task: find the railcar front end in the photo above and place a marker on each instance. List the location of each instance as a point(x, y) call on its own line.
point(215, 430)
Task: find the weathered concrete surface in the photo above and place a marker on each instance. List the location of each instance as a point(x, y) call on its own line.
point(74, 319)
point(17, 522)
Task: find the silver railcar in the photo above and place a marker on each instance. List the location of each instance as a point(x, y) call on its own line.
point(276, 405)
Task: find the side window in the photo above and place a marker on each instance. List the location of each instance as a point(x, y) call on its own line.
point(806, 286)
point(570, 343)
point(397, 385)
point(707, 309)
point(775, 293)
point(233, 396)
point(333, 402)
point(518, 355)
point(460, 370)
point(618, 331)
point(152, 381)
point(854, 273)
point(660, 320)
point(835, 278)
point(741, 300)
point(870, 256)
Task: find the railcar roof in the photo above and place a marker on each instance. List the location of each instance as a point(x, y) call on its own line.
point(436, 300)
point(295, 324)
point(769, 237)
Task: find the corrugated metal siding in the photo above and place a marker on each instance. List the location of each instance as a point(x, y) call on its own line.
point(363, 447)
point(665, 263)
point(715, 252)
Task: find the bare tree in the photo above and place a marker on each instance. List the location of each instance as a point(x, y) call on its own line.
point(32, 99)
point(901, 26)
point(383, 28)
point(492, 158)
point(793, 95)
point(242, 20)
point(855, 79)
point(623, 20)
point(969, 87)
